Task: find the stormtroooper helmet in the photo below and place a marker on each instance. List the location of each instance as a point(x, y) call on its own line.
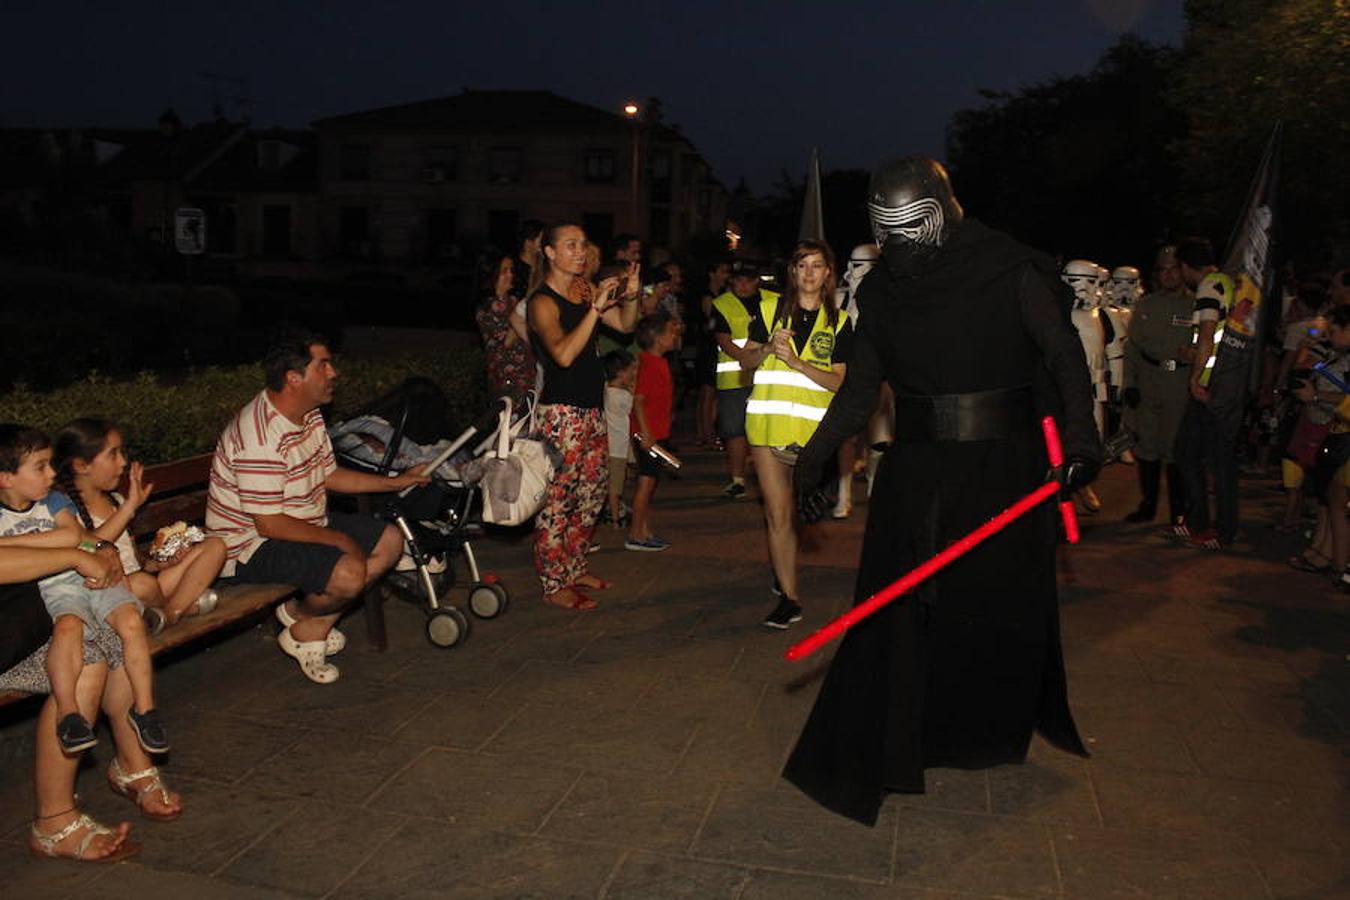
point(1082, 275)
point(1126, 285)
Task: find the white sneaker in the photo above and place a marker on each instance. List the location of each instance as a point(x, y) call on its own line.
point(310, 656)
point(435, 564)
point(336, 639)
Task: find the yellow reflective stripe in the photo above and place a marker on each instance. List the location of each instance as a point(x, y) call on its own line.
point(731, 366)
point(740, 342)
point(785, 408)
point(787, 379)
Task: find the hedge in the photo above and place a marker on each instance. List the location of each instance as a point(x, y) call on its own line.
point(165, 421)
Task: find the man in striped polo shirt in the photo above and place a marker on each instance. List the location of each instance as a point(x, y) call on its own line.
point(268, 501)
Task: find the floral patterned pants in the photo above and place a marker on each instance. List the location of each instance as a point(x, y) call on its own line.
point(563, 528)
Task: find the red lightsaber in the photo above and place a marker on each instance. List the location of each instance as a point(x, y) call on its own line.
point(959, 548)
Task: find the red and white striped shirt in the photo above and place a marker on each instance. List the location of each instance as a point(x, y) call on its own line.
point(265, 464)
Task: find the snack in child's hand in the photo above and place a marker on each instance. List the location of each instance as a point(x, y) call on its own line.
point(172, 540)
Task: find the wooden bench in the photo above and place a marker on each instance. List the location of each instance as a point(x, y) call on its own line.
point(180, 495)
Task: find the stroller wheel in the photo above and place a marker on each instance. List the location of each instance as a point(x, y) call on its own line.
point(488, 601)
point(447, 627)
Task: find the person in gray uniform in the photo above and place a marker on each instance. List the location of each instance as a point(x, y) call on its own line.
point(1158, 358)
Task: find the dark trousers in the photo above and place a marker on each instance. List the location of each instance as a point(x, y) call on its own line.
point(1207, 443)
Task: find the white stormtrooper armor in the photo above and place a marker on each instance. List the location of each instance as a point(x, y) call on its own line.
point(860, 262)
point(1127, 286)
point(881, 427)
point(1083, 277)
point(1122, 290)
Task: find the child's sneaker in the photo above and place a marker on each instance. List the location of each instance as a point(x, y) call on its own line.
point(75, 734)
point(650, 545)
point(149, 730)
point(734, 491)
point(784, 614)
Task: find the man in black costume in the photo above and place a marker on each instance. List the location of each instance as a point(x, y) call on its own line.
point(971, 329)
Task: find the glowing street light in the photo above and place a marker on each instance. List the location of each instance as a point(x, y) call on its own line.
point(631, 110)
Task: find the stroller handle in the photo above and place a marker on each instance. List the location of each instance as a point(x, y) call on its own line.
point(486, 422)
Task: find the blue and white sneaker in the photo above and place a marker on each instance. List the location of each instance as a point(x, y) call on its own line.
point(650, 545)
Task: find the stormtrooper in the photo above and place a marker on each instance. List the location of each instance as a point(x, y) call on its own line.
point(1084, 278)
point(1122, 290)
point(970, 329)
point(881, 426)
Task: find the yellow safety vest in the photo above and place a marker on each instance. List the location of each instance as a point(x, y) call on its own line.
point(785, 406)
point(730, 375)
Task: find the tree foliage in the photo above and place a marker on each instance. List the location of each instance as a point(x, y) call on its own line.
point(1245, 65)
point(1079, 165)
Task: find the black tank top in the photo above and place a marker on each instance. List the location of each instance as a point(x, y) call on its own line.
point(582, 383)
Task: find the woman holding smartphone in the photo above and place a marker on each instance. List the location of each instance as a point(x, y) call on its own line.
point(563, 312)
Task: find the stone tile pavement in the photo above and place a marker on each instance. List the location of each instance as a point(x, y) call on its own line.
point(634, 751)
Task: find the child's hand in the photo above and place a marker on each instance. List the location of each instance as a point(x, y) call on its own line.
point(137, 491)
point(100, 570)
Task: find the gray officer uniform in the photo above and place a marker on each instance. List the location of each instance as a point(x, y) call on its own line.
point(1159, 329)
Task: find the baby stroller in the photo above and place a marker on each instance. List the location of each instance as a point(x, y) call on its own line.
point(401, 430)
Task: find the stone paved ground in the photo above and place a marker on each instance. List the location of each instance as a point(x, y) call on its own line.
point(634, 751)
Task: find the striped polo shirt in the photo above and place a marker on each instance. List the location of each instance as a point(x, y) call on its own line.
point(265, 464)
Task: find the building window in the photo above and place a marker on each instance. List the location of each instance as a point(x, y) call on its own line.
point(439, 164)
point(354, 231)
point(505, 165)
point(354, 162)
point(440, 225)
point(502, 227)
point(276, 230)
point(599, 227)
point(600, 166)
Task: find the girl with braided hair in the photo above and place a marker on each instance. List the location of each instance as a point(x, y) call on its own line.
point(90, 461)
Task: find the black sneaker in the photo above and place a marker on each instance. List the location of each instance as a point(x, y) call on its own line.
point(783, 615)
point(75, 734)
point(149, 730)
point(734, 491)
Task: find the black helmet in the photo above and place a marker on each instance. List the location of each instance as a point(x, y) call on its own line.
point(911, 200)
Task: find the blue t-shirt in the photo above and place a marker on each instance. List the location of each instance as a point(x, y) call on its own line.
point(37, 518)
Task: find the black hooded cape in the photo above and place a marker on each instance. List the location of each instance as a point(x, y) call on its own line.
point(959, 673)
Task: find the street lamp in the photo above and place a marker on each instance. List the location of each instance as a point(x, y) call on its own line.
point(631, 110)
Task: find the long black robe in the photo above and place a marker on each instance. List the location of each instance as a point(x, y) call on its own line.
point(961, 672)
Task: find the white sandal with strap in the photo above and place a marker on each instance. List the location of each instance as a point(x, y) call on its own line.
point(335, 641)
point(310, 655)
point(124, 783)
point(44, 845)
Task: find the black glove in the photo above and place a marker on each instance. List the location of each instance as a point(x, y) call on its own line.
point(1079, 472)
point(1130, 397)
point(813, 501)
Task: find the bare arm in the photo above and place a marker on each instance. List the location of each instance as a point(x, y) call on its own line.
point(282, 527)
point(67, 534)
point(830, 379)
point(623, 316)
point(27, 564)
point(563, 346)
point(350, 481)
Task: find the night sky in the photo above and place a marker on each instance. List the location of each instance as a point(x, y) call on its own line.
point(754, 85)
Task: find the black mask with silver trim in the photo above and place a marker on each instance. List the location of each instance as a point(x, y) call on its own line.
point(913, 211)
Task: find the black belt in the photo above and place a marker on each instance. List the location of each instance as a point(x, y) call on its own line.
point(1167, 365)
point(977, 416)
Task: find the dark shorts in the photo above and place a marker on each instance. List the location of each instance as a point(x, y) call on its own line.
point(731, 412)
point(647, 464)
point(307, 566)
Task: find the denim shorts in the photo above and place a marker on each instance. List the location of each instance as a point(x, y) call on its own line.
point(731, 412)
point(66, 595)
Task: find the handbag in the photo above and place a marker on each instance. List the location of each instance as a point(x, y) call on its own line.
point(516, 473)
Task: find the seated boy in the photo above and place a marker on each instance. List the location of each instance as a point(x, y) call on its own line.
point(32, 515)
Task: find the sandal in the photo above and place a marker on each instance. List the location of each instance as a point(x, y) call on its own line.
point(578, 601)
point(44, 845)
point(595, 582)
point(1301, 562)
point(332, 644)
point(124, 784)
